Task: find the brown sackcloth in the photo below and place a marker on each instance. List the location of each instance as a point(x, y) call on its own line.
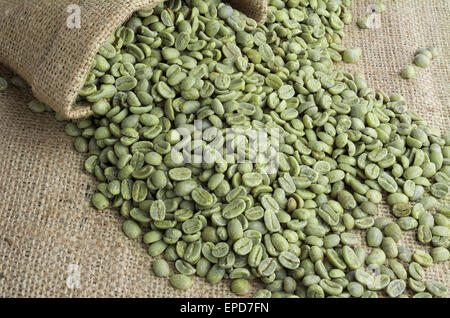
point(55, 59)
point(48, 229)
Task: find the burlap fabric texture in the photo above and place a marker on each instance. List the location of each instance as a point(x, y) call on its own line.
point(55, 56)
point(49, 233)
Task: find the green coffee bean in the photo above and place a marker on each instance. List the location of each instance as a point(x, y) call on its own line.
point(183, 75)
point(158, 210)
point(315, 291)
point(152, 236)
point(139, 191)
point(363, 22)
point(369, 294)
point(350, 258)
point(441, 220)
point(408, 72)
point(349, 239)
point(422, 60)
point(416, 271)
point(184, 267)
point(202, 197)
point(416, 286)
point(389, 247)
point(180, 174)
point(401, 210)
point(240, 286)
point(440, 231)
point(139, 215)
point(202, 267)
point(262, 293)
point(243, 246)
point(398, 269)
point(100, 201)
point(161, 268)
point(424, 234)
point(407, 223)
point(429, 202)
point(288, 260)
point(393, 230)
point(376, 257)
point(380, 282)
point(381, 222)
point(363, 277)
point(355, 289)
point(387, 183)
point(267, 267)
point(404, 254)
point(436, 288)
point(330, 287)
point(180, 281)
point(396, 288)
point(422, 257)
point(364, 223)
point(3, 85)
point(440, 190)
point(18, 82)
point(234, 209)
point(252, 179)
point(271, 221)
point(36, 106)
point(440, 254)
point(423, 295)
point(374, 237)
point(191, 226)
point(346, 199)
point(352, 55)
point(131, 229)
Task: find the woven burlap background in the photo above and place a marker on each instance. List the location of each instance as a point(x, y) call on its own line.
point(55, 59)
point(49, 232)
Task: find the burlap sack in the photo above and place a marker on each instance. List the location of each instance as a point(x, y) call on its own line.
point(49, 234)
point(42, 42)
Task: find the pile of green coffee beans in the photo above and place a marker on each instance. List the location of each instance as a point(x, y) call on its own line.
point(422, 59)
point(341, 146)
